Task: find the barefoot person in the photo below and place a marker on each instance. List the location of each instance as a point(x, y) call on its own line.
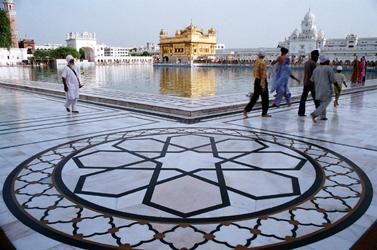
point(362, 70)
point(280, 81)
point(308, 84)
point(355, 70)
point(340, 80)
point(323, 78)
point(260, 86)
point(72, 84)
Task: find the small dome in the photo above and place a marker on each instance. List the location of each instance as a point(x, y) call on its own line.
point(309, 16)
point(212, 30)
point(191, 27)
point(351, 37)
point(294, 34)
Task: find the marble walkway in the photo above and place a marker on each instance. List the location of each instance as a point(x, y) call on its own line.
point(188, 110)
point(113, 179)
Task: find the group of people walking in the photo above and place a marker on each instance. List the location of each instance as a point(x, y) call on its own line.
point(320, 80)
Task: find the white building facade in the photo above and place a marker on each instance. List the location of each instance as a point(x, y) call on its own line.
point(117, 51)
point(220, 46)
point(150, 47)
point(301, 43)
point(48, 46)
point(101, 53)
point(246, 54)
point(13, 56)
point(86, 41)
point(345, 49)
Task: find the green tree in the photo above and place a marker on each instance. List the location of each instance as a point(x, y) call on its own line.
point(42, 53)
point(5, 31)
point(82, 53)
point(63, 52)
point(146, 53)
point(59, 53)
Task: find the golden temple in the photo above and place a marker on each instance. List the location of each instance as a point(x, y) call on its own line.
point(187, 45)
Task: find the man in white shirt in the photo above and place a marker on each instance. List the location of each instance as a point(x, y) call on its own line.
point(323, 78)
point(72, 84)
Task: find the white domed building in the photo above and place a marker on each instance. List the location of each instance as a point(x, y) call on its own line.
point(310, 38)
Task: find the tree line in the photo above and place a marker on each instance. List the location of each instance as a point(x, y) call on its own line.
point(5, 31)
point(58, 53)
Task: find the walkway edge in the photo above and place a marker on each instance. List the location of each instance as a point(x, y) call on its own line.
point(181, 114)
point(5, 242)
point(368, 241)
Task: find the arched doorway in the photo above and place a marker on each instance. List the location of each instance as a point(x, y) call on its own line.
point(88, 54)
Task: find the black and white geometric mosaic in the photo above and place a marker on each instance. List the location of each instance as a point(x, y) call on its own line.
point(187, 188)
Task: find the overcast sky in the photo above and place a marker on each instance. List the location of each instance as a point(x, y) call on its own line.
point(239, 23)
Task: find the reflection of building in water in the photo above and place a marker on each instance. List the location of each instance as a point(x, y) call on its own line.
point(15, 73)
point(187, 82)
point(187, 45)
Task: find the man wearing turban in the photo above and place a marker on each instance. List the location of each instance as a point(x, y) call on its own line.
point(323, 78)
point(72, 84)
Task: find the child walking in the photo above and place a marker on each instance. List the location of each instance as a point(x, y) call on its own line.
point(340, 79)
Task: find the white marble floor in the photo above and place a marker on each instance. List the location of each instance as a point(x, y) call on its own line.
point(108, 178)
point(185, 109)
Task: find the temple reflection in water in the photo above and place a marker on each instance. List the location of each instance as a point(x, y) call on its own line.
point(187, 82)
point(171, 81)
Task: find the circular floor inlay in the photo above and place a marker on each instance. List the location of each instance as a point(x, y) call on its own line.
point(188, 177)
point(149, 187)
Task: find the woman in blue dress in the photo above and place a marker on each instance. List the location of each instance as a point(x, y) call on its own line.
point(280, 82)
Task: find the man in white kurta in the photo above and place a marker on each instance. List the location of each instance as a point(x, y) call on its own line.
point(323, 77)
point(71, 83)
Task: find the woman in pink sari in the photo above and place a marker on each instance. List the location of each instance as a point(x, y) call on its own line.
point(362, 70)
point(355, 70)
